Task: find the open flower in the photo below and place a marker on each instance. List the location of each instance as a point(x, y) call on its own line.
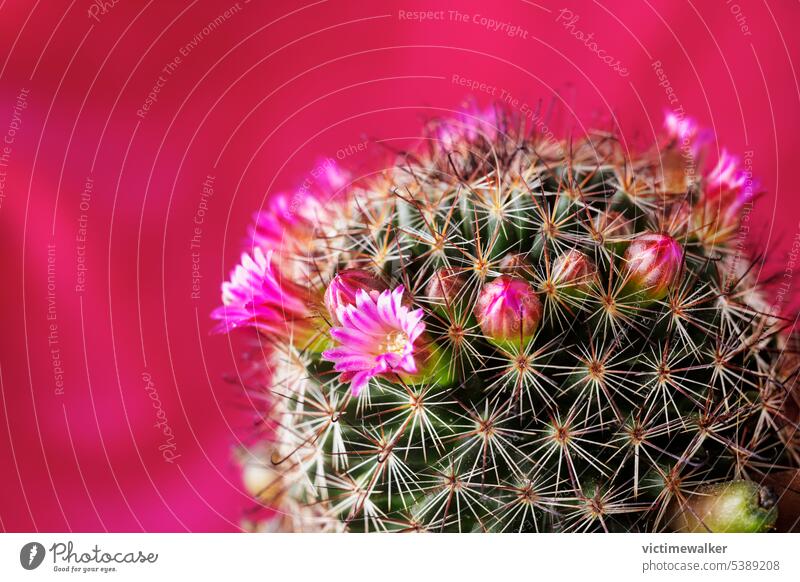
point(345, 285)
point(376, 338)
point(258, 296)
point(302, 228)
point(287, 219)
point(652, 263)
point(508, 310)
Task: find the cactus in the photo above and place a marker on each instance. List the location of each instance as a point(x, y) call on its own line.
point(504, 332)
point(735, 506)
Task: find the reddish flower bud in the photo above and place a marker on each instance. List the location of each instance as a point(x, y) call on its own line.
point(445, 288)
point(573, 270)
point(652, 263)
point(516, 265)
point(342, 290)
point(508, 310)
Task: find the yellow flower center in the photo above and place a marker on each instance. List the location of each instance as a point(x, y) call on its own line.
point(395, 343)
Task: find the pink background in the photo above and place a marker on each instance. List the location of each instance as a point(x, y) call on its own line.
point(256, 103)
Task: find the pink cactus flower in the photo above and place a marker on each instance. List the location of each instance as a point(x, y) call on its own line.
point(343, 288)
point(652, 263)
point(687, 133)
point(258, 296)
point(287, 220)
point(376, 338)
point(508, 310)
point(727, 190)
point(725, 175)
point(301, 228)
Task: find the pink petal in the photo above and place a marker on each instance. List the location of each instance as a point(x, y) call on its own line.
point(359, 381)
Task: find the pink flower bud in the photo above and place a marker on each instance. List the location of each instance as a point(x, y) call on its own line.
point(573, 269)
point(728, 190)
point(725, 175)
point(342, 290)
point(508, 310)
point(445, 288)
point(652, 263)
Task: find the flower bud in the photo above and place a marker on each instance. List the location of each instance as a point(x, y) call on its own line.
point(732, 507)
point(445, 288)
point(516, 265)
point(330, 177)
point(652, 263)
point(342, 289)
point(727, 191)
point(508, 311)
point(573, 271)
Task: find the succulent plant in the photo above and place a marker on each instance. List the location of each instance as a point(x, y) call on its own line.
point(504, 332)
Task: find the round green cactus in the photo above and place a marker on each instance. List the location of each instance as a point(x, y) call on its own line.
point(501, 332)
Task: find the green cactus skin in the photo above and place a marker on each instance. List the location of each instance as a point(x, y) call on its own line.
point(617, 407)
point(733, 507)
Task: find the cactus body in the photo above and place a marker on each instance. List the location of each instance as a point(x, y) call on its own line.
point(732, 507)
point(523, 335)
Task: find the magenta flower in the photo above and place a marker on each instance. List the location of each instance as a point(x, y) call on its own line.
point(652, 263)
point(508, 310)
point(376, 338)
point(725, 175)
point(258, 296)
point(727, 190)
point(287, 221)
point(302, 229)
point(470, 125)
point(344, 286)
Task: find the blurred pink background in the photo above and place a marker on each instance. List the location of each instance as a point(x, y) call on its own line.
point(98, 317)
